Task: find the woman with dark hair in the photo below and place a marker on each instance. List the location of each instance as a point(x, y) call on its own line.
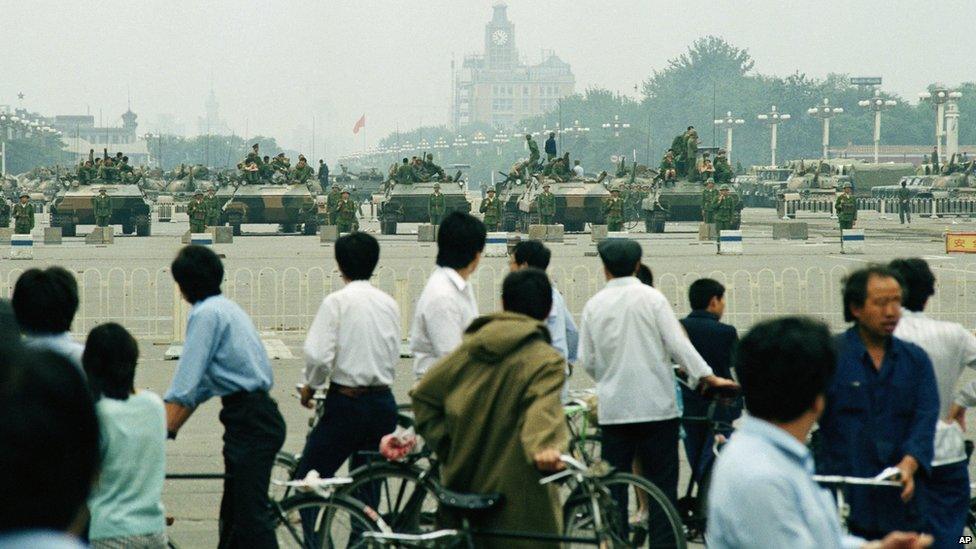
point(126, 502)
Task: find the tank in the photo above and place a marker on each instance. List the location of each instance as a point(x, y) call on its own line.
point(408, 202)
point(578, 202)
point(760, 185)
point(362, 185)
point(73, 206)
point(930, 186)
point(285, 205)
point(866, 176)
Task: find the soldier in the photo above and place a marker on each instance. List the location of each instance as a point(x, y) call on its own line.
point(706, 171)
point(904, 204)
point(723, 171)
point(302, 172)
point(86, 173)
point(727, 206)
point(432, 168)
point(23, 215)
point(108, 172)
point(846, 208)
point(346, 214)
point(492, 209)
point(4, 212)
point(405, 173)
point(102, 206)
point(533, 152)
point(323, 175)
point(212, 205)
point(551, 146)
point(332, 203)
point(613, 209)
point(545, 203)
point(691, 153)
point(197, 211)
point(668, 170)
point(435, 206)
point(709, 200)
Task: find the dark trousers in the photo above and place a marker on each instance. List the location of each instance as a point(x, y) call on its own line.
point(349, 425)
point(945, 502)
point(699, 434)
point(253, 433)
point(904, 210)
point(654, 444)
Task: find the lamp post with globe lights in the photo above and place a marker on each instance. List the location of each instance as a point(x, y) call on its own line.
point(939, 96)
point(615, 126)
point(773, 119)
point(877, 104)
point(728, 123)
point(825, 112)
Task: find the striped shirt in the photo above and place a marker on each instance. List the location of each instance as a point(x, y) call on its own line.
point(951, 348)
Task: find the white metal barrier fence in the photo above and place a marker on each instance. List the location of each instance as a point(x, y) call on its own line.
point(284, 301)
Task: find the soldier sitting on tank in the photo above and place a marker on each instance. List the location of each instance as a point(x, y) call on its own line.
point(406, 174)
point(433, 169)
point(302, 172)
point(86, 173)
point(723, 170)
point(706, 171)
point(108, 172)
point(250, 173)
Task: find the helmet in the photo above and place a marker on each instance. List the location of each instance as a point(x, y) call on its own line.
point(437, 185)
point(725, 188)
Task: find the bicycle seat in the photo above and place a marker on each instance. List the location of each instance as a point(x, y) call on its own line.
point(466, 501)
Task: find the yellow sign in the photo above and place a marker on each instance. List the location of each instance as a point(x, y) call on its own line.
point(963, 243)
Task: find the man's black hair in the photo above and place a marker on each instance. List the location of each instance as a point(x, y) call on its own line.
point(691, 127)
point(783, 365)
point(49, 442)
point(198, 271)
point(904, 183)
point(533, 253)
point(645, 275)
point(701, 292)
point(405, 160)
point(460, 238)
point(620, 256)
point(918, 282)
point(527, 292)
point(110, 360)
point(357, 255)
point(856, 286)
point(45, 302)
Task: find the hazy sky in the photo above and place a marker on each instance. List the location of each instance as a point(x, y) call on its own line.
point(276, 64)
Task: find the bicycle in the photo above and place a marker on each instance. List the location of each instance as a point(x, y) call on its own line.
point(591, 514)
point(887, 478)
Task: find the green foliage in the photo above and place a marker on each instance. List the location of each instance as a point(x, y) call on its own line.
point(26, 153)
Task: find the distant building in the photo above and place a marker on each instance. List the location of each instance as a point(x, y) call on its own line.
point(211, 123)
point(498, 89)
point(82, 126)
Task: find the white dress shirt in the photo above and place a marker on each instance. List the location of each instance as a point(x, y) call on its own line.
point(951, 349)
point(578, 170)
point(445, 309)
point(354, 339)
point(628, 338)
point(562, 329)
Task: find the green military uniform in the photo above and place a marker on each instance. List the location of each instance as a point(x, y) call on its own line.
point(709, 200)
point(4, 213)
point(436, 207)
point(846, 209)
point(691, 154)
point(23, 218)
point(533, 152)
point(723, 170)
point(727, 208)
point(346, 214)
point(102, 206)
point(613, 209)
point(197, 210)
point(86, 174)
point(332, 204)
point(546, 204)
point(904, 205)
point(212, 205)
point(433, 169)
point(492, 208)
point(406, 174)
point(108, 174)
point(302, 173)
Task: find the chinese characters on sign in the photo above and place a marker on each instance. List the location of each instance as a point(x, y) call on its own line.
point(960, 243)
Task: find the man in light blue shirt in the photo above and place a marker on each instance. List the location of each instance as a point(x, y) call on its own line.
point(45, 303)
point(223, 357)
point(762, 493)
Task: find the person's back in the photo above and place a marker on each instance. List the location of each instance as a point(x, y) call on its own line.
point(45, 303)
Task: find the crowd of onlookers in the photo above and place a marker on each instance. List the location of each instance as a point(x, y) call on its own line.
point(83, 452)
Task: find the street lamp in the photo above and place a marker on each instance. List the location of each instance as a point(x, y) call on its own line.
point(773, 119)
point(877, 104)
point(939, 96)
point(728, 123)
point(825, 112)
point(615, 126)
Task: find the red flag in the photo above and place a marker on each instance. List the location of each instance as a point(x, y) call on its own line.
point(360, 124)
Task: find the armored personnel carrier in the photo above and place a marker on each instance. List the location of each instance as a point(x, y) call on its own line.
point(362, 185)
point(760, 185)
point(73, 206)
point(286, 205)
point(578, 202)
point(408, 202)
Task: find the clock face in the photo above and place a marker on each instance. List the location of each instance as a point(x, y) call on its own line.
point(499, 37)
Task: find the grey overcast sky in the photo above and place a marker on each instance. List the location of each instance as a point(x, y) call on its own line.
point(276, 64)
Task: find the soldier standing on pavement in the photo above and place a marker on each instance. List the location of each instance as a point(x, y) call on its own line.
point(709, 200)
point(613, 209)
point(492, 209)
point(846, 208)
point(23, 216)
point(197, 210)
point(904, 203)
point(727, 207)
point(346, 212)
point(332, 203)
point(435, 206)
point(102, 206)
point(212, 209)
point(546, 204)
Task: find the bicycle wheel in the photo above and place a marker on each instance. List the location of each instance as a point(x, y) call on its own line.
point(336, 522)
point(633, 513)
point(402, 494)
point(283, 469)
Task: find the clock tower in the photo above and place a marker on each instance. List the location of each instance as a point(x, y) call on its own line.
point(500, 40)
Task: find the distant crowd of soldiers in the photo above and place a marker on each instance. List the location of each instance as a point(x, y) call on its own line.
point(417, 169)
point(106, 169)
point(682, 161)
point(256, 169)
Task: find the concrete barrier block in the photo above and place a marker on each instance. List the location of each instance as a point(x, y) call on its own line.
point(555, 233)
point(22, 246)
point(101, 235)
point(5, 234)
point(496, 245)
point(730, 242)
point(852, 241)
point(52, 235)
point(707, 231)
point(328, 234)
point(222, 235)
point(599, 233)
point(185, 239)
point(202, 239)
point(426, 233)
point(538, 232)
point(790, 230)
point(617, 235)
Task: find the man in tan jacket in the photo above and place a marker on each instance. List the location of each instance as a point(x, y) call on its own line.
point(491, 412)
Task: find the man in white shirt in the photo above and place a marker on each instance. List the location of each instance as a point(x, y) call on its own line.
point(577, 169)
point(352, 348)
point(951, 348)
point(447, 305)
point(628, 338)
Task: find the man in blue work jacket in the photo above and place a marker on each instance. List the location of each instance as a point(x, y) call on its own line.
point(882, 405)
